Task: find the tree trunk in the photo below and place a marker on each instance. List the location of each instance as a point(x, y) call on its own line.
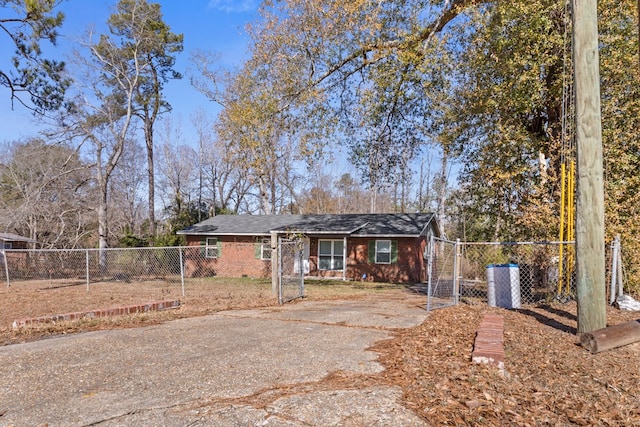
point(148, 136)
point(103, 226)
point(442, 191)
point(266, 208)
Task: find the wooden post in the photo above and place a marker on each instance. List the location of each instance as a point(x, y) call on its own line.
point(590, 254)
point(611, 337)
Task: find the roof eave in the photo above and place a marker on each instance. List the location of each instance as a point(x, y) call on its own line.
point(430, 225)
point(213, 233)
point(388, 236)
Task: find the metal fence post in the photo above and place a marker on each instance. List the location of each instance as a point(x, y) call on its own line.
point(274, 263)
point(181, 269)
point(86, 252)
point(279, 270)
point(456, 272)
point(430, 271)
point(301, 265)
point(6, 267)
point(614, 271)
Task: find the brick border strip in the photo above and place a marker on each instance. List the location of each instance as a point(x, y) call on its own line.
point(107, 312)
point(489, 345)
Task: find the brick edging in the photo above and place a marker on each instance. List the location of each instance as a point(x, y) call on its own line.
point(107, 312)
point(489, 345)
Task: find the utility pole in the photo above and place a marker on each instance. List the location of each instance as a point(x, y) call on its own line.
point(590, 255)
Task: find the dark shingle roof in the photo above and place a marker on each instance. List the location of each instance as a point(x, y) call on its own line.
point(401, 224)
point(10, 237)
point(248, 225)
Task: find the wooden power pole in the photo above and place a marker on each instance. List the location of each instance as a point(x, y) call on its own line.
point(590, 255)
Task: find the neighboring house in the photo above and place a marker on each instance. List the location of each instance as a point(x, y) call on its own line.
point(378, 247)
point(14, 241)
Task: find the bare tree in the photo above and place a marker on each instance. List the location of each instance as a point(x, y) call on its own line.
point(105, 110)
point(126, 191)
point(262, 133)
point(178, 166)
point(45, 193)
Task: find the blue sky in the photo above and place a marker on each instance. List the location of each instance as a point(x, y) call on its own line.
point(208, 25)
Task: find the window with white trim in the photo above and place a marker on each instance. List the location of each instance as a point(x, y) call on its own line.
point(265, 249)
point(383, 251)
point(211, 249)
point(330, 254)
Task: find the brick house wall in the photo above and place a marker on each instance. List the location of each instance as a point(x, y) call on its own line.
point(15, 260)
point(239, 256)
point(409, 268)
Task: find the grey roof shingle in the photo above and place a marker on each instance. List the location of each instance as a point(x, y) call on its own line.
point(399, 224)
point(251, 225)
point(10, 237)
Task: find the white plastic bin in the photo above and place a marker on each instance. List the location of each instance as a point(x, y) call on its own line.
point(503, 285)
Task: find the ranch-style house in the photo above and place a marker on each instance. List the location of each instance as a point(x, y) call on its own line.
point(377, 247)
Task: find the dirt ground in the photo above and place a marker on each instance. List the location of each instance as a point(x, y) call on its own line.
point(549, 379)
point(25, 299)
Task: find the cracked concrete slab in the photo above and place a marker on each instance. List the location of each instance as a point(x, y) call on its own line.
point(162, 374)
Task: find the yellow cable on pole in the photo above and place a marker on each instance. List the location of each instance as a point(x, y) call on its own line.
point(562, 212)
point(571, 224)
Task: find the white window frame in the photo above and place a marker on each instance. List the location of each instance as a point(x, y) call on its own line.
point(383, 251)
point(334, 255)
point(265, 247)
point(211, 247)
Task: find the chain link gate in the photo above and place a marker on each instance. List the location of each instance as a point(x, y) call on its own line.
point(442, 273)
point(290, 269)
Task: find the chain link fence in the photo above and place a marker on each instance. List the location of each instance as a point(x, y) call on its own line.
point(170, 266)
point(202, 279)
point(515, 273)
point(291, 269)
point(500, 274)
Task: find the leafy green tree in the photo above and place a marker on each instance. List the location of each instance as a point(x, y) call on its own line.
point(620, 87)
point(505, 114)
point(364, 66)
point(26, 24)
point(130, 240)
point(179, 215)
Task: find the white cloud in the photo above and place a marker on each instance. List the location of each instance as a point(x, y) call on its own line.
point(234, 5)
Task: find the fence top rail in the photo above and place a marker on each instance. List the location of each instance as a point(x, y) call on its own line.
point(440, 239)
point(98, 249)
point(552, 242)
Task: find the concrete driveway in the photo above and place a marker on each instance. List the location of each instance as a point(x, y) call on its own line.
point(262, 367)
